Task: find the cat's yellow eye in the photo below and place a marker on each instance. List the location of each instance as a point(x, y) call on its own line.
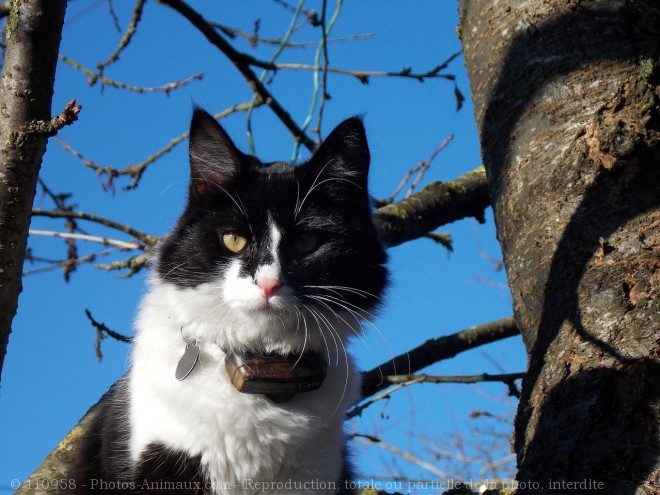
point(235, 243)
point(305, 243)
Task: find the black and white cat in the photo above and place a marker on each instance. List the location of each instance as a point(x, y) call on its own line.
point(268, 260)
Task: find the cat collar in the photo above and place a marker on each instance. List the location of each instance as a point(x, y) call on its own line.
point(276, 376)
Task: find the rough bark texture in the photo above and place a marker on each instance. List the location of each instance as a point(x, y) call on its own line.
point(566, 99)
point(33, 37)
point(437, 204)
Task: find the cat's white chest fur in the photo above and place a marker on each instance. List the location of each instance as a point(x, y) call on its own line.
point(247, 443)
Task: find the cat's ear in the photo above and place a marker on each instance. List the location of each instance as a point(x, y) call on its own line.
point(345, 153)
point(214, 159)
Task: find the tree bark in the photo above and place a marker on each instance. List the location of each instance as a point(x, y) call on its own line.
point(33, 37)
point(566, 100)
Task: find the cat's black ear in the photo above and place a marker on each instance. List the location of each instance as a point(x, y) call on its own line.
point(214, 159)
point(345, 153)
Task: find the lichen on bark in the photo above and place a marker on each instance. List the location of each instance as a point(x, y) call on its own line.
point(566, 97)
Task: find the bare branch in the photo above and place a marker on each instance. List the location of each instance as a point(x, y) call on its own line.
point(97, 76)
point(90, 238)
point(67, 117)
point(419, 169)
point(126, 38)
point(371, 439)
point(435, 350)
point(362, 75)
point(484, 377)
point(113, 14)
point(133, 264)
point(148, 240)
point(435, 205)
point(136, 170)
point(403, 381)
point(64, 264)
point(357, 410)
point(242, 62)
point(101, 332)
point(255, 40)
point(442, 238)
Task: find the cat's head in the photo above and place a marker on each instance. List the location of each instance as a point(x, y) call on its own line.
point(272, 255)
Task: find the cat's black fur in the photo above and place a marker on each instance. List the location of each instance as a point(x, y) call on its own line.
point(226, 189)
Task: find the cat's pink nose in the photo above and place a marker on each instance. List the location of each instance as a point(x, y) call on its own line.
point(269, 286)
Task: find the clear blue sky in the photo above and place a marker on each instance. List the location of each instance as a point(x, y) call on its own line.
point(51, 375)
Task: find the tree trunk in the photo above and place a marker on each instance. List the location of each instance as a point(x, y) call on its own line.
point(566, 99)
point(33, 37)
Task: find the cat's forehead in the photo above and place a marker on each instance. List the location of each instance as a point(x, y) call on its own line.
point(274, 168)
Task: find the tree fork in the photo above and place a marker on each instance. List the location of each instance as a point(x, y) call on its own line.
point(33, 38)
point(566, 100)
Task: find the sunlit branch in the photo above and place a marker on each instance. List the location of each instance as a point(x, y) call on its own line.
point(325, 30)
point(372, 440)
point(147, 239)
point(255, 40)
point(264, 73)
point(64, 264)
point(136, 170)
point(133, 264)
point(435, 350)
point(242, 62)
point(363, 75)
point(97, 76)
point(320, 85)
point(89, 238)
point(357, 410)
point(436, 204)
point(419, 169)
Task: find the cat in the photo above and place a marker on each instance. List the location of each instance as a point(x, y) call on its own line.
point(268, 261)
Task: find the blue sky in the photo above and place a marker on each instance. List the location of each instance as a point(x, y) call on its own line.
point(51, 375)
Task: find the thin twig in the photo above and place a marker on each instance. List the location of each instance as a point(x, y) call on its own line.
point(126, 38)
point(435, 350)
point(435, 205)
point(320, 85)
point(402, 381)
point(90, 238)
point(148, 240)
point(372, 440)
point(60, 200)
point(135, 171)
point(419, 169)
point(362, 75)
point(242, 62)
point(113, 14)
point(97, 76)
point(101, 332)
point(264, 73)
point(134, 264)
point(357, 410)
point(326, 61)
point(442, 238)
point(255, 40)
point(67, 117)
point(65, 264)
point(426, 164)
